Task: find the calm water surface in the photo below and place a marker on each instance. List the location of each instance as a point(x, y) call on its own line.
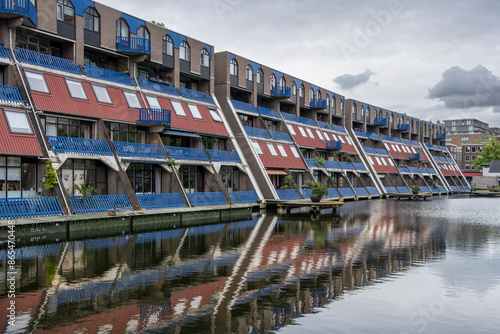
point(379, 266)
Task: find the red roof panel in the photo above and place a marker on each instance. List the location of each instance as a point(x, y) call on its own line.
point(270, 161)
point(17, 144)
point(381, 168)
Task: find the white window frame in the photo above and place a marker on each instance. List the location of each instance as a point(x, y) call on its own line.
point(294, 151)
point(414, 151)
point(178, 108)
point(76, 90)
point(257, 147)
point(302, 131)
point(325, 134)
point(320, 135)
point(215, 115)
point(348, 140)
point(184, 51)
point(153, 102)
point(23, 125)
point(398, 149)
point(383, 161)
point(370, 160)
point(272, 149)
point(290, 128)
point(101, 90)
point(390, 162)
point(131, 98)
point(37, 79)
point(282, 151)
point(309, 132)
point(341, 139)
point(195, 112)
point(387, 146)
point(249, 72)
point(378, 161)
point(205, 58)
point(335, 137)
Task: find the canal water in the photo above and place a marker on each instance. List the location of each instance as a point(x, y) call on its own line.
point(381, 266)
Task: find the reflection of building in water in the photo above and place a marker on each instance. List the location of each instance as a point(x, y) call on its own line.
point(191, 276)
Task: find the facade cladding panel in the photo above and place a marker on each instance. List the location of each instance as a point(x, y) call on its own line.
point(381, 169)
point(188, 122)
point(60, 101)
point(270, 161)
point(307, 141)
point(17, 144)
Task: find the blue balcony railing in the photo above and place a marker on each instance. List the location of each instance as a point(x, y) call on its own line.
point(346, 192)
point(346, 165)
point(414, 170)
point(380, 121)
point(290, 117)
point(288, 194)
point(440, 136)
point(196, 95)
point(373, 136)
point(124, 149)
point(157, 86)
point(108, 75)
point(403, 169)
point(238, 105)
point(266, 112)
point(99, 203)
point(239, 197)
point(338, 128)
point(318, 103)
point(133, 45)
point(84, 146)
point(324, 125)
point(431, 171)
point(186, 153)
point(40, 59)
point(29, 207)
point(255, 132)
point(280, 136)
point(154, 116)
point(360, 133)
point(333, 145)
point(208, 198)
point(4, 52)
point(414, 156)
point(308, 121)
point(332, 164)
point(278, 91)
point(369, 150)
point(332, 193)
point(224, 156)
point(314, 163)
point(20, 7)
point(10, 94)
point(403, 127)
point(359, 166)
point(381, 151)
point(160, 201)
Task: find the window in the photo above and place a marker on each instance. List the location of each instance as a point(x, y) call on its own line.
point(383, 161)
point(473, 157)
point(348, 140)
point(282, 82)
point(37, 82)
point(17, 177)
point(467, 149)
point(378, 161)
point(91, 19)
point(233, 67)
point(294, 89)
point(271, 148)
point(142, 177)
point(65, 11)
point(342, 139)
point(132, 100)
point(76, 89)
point(294, 151)
point(101, 93)
point(309, 132)
point(473, 149)
point(168, 45)
point(301, 91)
point(282, 150)
point(178, 109)
point(290, 128)
point(404, 149)
point(194, 111)
point(311, 93)
point(142, 32)
point(302, 132)
point(257, 147)
point(325, 134)
point(122, 29)
point(467, 167)
point(249, 73)
point(467, 158)
point(320, 136)
point(398, 149)
point(153, 102)
point(205, 58)
point(390, 162)
point(370, 160)
point(335, 137)
point(215, 115)
point(230, 177)
point(18, 122)
point(327, 100)
point(272, 80)
point(260, 76)
point(184, 51)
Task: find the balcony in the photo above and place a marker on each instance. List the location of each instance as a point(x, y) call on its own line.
point(196, 95)
point(154, 116)
point(20, 7)
point(278, 91)
point(186, 153)
point(4, 52)
point(124, 149)
point(440, 136)
point(40, 59)
point(381, 151)
point(224, 156)
point(108, 75)
point(403, 127)
point(269, 113)
point(414, 156)
point(280, 136)
point(380, 121)
point(133, 45)
point(256, 132)
point(83, 146)
point(333, 145)
point(10, 94)
point(99, 203)
point(318, 103)
point(308, 121)
point(29, 207)
point(157, 86)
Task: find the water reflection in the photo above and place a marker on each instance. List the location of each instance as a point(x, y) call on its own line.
point(252, 276)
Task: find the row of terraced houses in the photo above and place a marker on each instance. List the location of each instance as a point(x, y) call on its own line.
point(154, 119)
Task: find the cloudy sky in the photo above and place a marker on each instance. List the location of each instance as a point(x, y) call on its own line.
point(433, 60)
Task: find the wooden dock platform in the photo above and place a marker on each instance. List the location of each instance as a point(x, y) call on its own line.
point(423, 196)
point(284, 207)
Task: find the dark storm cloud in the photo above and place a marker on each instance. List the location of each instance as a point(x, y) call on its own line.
point(462, 89)
point(350, 81)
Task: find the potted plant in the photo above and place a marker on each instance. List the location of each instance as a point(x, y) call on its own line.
point(318, 191)
point(415, 190)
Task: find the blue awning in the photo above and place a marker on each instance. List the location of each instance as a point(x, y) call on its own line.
point(181, 134)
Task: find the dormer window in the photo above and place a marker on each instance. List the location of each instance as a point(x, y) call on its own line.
point(184, 51)
point(65, 11)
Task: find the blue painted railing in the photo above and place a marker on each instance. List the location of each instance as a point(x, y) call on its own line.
point(4, 52)
point(381, 151)
point(431, 171)
point(346, 165)
point(124, 149)
point(369, 150)
point(332, 164)
point(195, 95)
point(396, 139)
point(403, 190)
point(346, 192)
point(332, 193)
point(255, 132)
point(306, 193)
point(99, 203)
point(279, 91)
point(361, 192)
point(406, 142)
point(157, 86)
point(414, 156)
point(20, 7)
point(208, 198)
point(324, 125)
point(108, 75)
point(454, 189)
point(338, 128)
point(391, 190)
point(373, 191)
point(423, 171)
point(160, 201)
point(280, 136)
point(238, 105)
point(333, 145)
point(373, 136)
point(414, 170)
point(359, 166)
point(133, 44)
point(79, 146)
point(380, 121)
point(186, 153)
point(308, 121)
point(403, 169)
point(240, 197)
point(442, 189)
point(288, 194)
point(154, 116)
point(360, 133)
point(440, 136)
point(434, 189)
point(290, 117)
point(386, 137)
point(10, 94)
point(224, 156)
point(415, 143)
point(443, 148)
point(40, 59)
point(403, 127)
point(318, 103)
point(29, 207)
point(314, 163)
point(266, 112)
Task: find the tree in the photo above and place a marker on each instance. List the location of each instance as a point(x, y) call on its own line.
point(491, 151)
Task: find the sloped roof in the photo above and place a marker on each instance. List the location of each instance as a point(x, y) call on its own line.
point(495, 166)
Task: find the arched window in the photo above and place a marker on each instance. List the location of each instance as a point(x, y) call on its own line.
point(327, 100)
point(233, 67)
point(205, 58)
point(294, 88)
point(354, 111)
point(260, 76)
point(65, 11)
point(301, 91)
point(184, 51)
point(249, 73)
point(318, 95)
point(273, 80)
point(362, 111)
point(168, 45)
point(282, 82)
point(91, 19)
point(122, 29)
point(142, 32)
point(311, 93)
point(333, 104)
